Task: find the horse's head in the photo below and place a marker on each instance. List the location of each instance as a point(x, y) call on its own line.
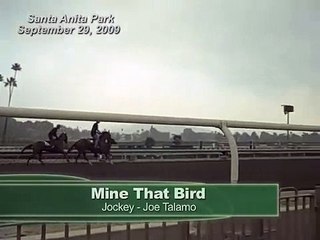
point(106, 136)
point(63, 137)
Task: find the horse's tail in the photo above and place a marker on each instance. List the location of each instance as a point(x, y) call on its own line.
point(73, 145)
point(30, 146)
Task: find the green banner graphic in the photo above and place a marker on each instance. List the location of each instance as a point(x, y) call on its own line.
point(106, 201)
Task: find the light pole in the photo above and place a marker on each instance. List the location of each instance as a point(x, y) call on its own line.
point(286, 110)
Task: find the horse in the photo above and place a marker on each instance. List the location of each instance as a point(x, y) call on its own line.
point(44, 146)
point(83, 145)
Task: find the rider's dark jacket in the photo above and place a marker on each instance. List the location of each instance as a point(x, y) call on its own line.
point(53, 133)
point(94, 130)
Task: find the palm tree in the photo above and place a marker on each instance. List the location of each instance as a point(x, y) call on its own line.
point(11, 83)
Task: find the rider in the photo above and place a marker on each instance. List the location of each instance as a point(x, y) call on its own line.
point(53, 134)
point(95, 133)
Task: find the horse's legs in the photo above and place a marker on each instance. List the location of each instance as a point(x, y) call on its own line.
point(64, 153)
point(77, 157)
point(29, 158)
point(33, 155)
point(95, 152)
point(40, 157)
point(108, 157)
point(85, 157)
point(66, 156)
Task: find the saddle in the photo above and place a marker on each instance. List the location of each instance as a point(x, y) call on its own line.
point(48, 144)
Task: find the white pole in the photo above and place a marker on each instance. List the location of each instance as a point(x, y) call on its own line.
point(288, 130)
point(234, 174)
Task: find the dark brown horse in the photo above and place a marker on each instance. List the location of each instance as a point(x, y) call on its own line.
point(43, 146)
point(85, 145)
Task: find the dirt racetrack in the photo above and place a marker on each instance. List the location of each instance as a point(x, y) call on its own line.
point(303, 174)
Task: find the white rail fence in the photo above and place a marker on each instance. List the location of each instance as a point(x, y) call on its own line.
point(224, 125)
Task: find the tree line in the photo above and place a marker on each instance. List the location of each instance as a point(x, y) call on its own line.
point(21, 132)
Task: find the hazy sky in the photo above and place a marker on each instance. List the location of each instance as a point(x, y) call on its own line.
point(225, 59)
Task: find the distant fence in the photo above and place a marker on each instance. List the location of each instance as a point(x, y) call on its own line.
point(161, 154)
point(188, 144)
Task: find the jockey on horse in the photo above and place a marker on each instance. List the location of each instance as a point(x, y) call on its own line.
point(53, 135)
point(95, 134)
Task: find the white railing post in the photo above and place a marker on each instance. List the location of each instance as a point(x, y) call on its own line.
point(234, 174)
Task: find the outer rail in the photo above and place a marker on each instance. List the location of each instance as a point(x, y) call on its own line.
point(131, 118)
